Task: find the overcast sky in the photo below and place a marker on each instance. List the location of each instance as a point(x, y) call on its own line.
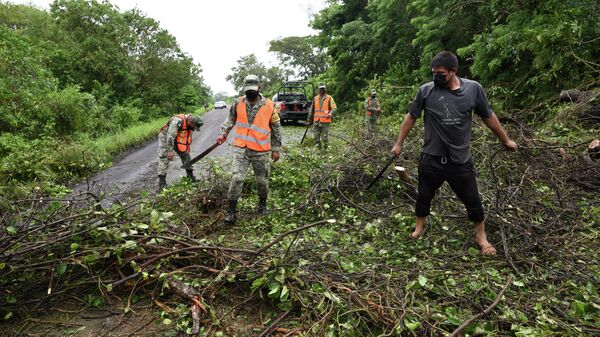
point(216, 33)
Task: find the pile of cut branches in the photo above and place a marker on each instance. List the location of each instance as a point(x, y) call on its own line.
point(359, 274)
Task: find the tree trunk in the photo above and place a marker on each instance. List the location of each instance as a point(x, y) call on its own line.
point(574, 95)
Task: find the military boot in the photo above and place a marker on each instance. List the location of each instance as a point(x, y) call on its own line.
point(231, 213)
point(162, 182)
point(262, 206)
point(190, 174)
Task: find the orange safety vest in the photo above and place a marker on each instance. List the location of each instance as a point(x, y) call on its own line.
point(369, 113)
point(184, 135)
point(257, 136)
point(321, 112)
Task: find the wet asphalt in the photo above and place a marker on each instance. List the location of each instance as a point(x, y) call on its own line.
point(136, 170)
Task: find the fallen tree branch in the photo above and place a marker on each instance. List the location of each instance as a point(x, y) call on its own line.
point(487, 310)
point(296, 230)
point(272, 327)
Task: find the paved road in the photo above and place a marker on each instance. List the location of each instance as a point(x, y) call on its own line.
point(136, 170)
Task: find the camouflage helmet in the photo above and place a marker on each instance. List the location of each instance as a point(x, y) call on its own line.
point(251, 82)
point(196, 121)
point(322, 86)
point(373, 92)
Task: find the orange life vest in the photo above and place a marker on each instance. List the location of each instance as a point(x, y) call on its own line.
point(369, 113)
point(321, 112)
point(257, 136)
point(184, 135)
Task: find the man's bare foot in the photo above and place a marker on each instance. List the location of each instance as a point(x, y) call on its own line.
point(419, 231)
point(486, 246)
point(420, 223)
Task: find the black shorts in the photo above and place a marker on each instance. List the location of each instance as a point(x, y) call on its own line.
point(434, 170)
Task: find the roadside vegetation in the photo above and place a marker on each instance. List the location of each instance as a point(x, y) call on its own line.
point(73, 79)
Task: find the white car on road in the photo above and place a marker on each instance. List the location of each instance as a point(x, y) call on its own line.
point(220, 105)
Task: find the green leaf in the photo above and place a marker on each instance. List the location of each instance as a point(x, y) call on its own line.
point(284, 293)
point(154, 217)
point(11, 299)
point(129, 244)
point(61, 268)
point(2, 265)
point(74, 246)
point(332, 296)
point(518, 283)
point(274, 290)
point(285, 306)
point(280, 278)
point(11, 230)
point(167, 321)
point(259, 282)
point(90, 258)
point(422, 280)
point(453, 321)
point(579, 307)
point(412, 326)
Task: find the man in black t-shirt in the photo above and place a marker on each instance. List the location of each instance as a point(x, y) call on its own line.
point(448, 103)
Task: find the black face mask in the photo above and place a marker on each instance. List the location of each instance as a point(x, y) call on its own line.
point(322, 91)
point(251, 94)
point(373, 96)
point(440, 80)
point(190, 124)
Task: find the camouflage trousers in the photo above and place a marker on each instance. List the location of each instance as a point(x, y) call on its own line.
point(321, 132)
point(163, 162)
point(371, 123)
point(261, 164)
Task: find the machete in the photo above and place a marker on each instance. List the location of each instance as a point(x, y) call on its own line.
point(200, 156)
point(382, 171)
point(305, 131)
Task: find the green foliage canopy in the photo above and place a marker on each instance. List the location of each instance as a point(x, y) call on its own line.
point(300, 54)
point(524, 51)
point(270, 77)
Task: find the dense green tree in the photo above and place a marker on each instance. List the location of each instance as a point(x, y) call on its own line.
point(24, 84)
point(270, 77)
point(536, 49)
point(301, 55)
point(521, 51)
point(98, 34)
point(86, 67)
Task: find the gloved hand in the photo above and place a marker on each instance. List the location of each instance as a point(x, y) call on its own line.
point(222, 138)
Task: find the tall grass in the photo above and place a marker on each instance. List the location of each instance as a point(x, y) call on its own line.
point(114, 144)
point(47, 165)
point(50, 164)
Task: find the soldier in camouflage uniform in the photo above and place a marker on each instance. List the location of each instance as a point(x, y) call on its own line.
point(321, 115)
point(176, 136)
point(256, 138)
point(372, 112)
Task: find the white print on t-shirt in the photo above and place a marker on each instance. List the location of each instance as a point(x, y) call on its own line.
point(450, 119)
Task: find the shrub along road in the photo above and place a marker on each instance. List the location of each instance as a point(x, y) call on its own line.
point(136, 170)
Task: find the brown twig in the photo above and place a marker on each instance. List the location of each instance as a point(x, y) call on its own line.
point(296, 230)
point(273, 325)
point(487, 310)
